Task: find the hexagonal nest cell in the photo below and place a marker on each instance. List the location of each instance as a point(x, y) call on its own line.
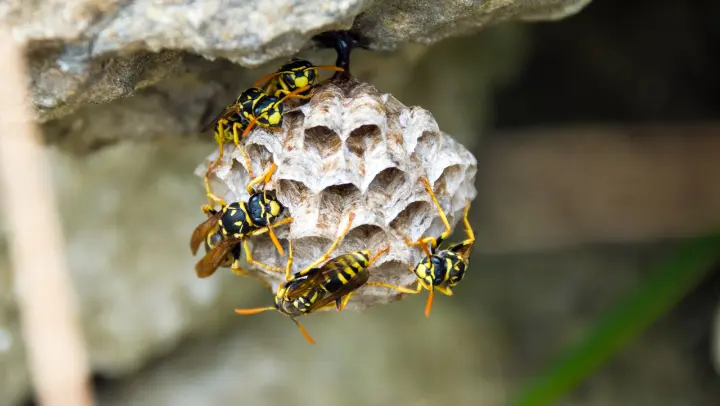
point(352, 149)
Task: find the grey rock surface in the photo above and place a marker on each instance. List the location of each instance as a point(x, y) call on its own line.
point(94, 51)
point(127, 242)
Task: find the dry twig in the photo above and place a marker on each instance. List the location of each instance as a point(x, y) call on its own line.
point(55, 348)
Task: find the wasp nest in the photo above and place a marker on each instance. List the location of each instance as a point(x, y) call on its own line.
point(353, 149)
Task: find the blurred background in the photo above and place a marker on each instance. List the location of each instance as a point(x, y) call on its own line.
point(598, 149)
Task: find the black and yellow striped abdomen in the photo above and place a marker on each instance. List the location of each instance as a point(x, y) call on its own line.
point(343, 269)
point(445, 268)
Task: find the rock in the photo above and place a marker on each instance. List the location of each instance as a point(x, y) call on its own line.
point(92, 51)
point(127, 242)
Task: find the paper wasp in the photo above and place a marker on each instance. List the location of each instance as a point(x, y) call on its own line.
point(227, 228)
point(252, 108)
point(294, 75)
point(441, 269)
point(320, 286)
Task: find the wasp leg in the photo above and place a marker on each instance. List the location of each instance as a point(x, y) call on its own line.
point(219, 132)
point(264, 179)
point(294, 94)
point(445, 290)
point(282, 94)
point(376, 256)
point(422, 243)
point(249, 257)
point(344, 302)
point(468, 229)
point(236, 140)
point(221, 145)
point(236, 269)
point(334, 245)
point(289, 261)
point(273, 237)
point(263, 230)
point(440, 211)
point(212, 197)
point(400, 289)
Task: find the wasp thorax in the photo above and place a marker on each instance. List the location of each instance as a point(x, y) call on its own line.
point(350, 148)
point(264, 208)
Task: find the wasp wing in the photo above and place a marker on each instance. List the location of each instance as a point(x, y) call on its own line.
point(353, 284)
point(462, 249)
point(353, 263)
point(224, 115)
point(201, 231)
point(215, 258)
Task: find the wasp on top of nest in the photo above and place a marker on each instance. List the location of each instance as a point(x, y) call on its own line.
point(355, 154)
point(261, 105)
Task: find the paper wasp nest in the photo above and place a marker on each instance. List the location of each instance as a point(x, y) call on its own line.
point(353, 149)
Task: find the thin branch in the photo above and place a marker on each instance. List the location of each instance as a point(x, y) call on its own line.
point(55, 348)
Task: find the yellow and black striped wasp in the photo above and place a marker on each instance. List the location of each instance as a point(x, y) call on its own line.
point(227, 228)
point(294, 75)
point(441, 269)
point(319, 286)
point(252, 108)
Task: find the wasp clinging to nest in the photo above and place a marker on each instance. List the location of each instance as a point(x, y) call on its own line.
point(294, 75)
point(441, 269)
point(252, 108)
point(320, 285)
point(227, 228)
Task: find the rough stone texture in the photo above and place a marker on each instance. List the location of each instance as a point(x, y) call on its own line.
point(93, 51)
point(353, 149)
point(127, 245)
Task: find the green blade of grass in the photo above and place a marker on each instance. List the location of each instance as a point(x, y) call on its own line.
point(678, 274)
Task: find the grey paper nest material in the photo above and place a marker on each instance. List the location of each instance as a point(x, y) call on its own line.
point(352, 149)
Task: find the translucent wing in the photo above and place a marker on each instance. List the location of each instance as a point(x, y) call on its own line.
point(215, 257)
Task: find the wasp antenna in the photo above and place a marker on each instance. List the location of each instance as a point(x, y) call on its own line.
point(249, 127)
point(303, 331)
point(256, 310)
point(428, 306)
point(330, 67)
point(266, 78)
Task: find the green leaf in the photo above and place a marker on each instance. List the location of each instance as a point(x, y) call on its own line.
point(677, 275)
